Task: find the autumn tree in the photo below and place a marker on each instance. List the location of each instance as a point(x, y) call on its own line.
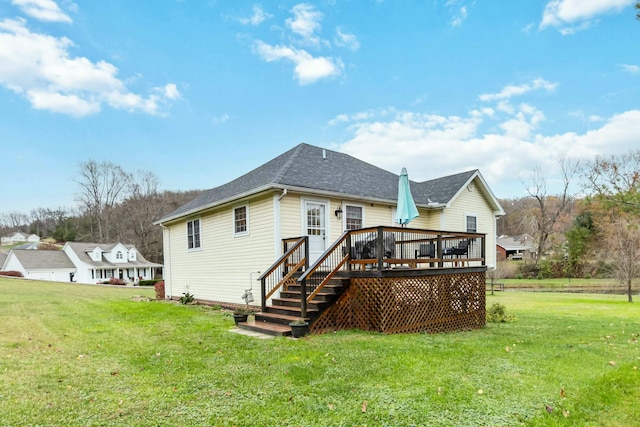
point(614, 182)
point(549, 210)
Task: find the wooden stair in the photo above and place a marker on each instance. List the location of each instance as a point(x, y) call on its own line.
point(287, 308)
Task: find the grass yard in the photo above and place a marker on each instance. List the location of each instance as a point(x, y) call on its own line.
point(95, 356)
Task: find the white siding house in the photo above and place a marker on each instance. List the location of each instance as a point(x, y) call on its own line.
point(82, 263)
point(96, 262)
point(52, 266)
point(214, 244)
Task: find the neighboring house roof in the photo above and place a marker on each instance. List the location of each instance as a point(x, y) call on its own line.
point(515, 243)
point(3, 258)
point(81, 249)
point(306, 167)
point(36, 260)
point(28, 246)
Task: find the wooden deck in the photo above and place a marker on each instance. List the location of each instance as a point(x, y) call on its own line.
point(377, 279)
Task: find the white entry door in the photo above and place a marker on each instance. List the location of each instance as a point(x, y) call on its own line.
point(316, 229)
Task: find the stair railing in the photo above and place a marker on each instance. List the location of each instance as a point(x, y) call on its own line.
point(294, 259)
point(320, 272)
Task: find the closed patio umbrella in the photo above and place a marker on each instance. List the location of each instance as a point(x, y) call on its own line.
point(406, 209)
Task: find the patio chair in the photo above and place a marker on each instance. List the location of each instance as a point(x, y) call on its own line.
point(426, 250)
point(461, 249)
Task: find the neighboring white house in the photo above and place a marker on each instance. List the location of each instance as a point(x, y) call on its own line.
point(214, 244)
point(19, 237)
point(53, 266)
point(82, 263)
point(95, 262)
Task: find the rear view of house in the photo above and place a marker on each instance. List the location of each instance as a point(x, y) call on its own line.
point(215, 245)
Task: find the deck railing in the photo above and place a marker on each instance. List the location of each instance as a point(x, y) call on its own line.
point(391, 247)
point(368, 249)
point(293, 260)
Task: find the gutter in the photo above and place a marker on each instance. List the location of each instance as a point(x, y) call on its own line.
point(285, 190)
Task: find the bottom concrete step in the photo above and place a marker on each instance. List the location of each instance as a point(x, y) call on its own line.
point(266, 328)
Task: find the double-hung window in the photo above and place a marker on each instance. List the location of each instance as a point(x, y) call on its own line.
point(241, 220)
point(353, 217)
point(193, 234)
point(472, 223)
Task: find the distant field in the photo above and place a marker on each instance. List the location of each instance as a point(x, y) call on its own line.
point(107, 356)
point(570, 285)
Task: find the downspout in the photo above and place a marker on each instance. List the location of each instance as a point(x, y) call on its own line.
point(167, 247)
point(277, 222)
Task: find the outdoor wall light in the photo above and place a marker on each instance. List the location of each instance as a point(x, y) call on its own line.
point(338, 212)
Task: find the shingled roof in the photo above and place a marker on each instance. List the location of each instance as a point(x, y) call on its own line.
point(330, 172)
point(81, 249)
point(34, 260)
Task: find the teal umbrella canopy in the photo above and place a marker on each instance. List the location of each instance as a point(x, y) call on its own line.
point(406, 209)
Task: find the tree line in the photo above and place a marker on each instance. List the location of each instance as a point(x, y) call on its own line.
point(593, 231)
point(113, 206)
point(589, 228)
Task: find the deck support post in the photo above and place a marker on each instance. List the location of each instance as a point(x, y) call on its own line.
point(303, 283)
point(380, 248)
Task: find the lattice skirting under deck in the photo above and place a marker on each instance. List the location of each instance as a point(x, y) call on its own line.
point(436, 303)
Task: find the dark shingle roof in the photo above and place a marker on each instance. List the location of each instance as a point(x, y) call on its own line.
point(31, 259)
point(317, 169)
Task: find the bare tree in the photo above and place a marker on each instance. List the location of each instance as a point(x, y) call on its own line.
point(102, 185)
point(550, 209)
point(138, 212)
point(623, 248)
point(13, 221)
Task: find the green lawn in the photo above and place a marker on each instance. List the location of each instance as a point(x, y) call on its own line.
point(89, 355)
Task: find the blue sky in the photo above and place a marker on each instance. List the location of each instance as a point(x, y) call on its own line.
point(202, 91)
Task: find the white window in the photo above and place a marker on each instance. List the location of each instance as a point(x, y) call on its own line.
point(119, 255)
point(353, 217)
point(193, 234)
point(471, 223)
point(241, 220)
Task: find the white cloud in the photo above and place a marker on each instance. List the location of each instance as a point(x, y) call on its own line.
point(307, 68)
point(71, 105)
point(301, 33)
point(564, 13)
point(221, 119)
point(633, 69)
point(41, 68)
point(504, 146)
point(171, 91)
point(512, 90)
point(346, 40)
point(305, 22)
point(460, 17)
point(259, 16)
point(44, 10)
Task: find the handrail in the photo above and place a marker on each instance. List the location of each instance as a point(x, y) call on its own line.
point(326, 261)
point(296, 256)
